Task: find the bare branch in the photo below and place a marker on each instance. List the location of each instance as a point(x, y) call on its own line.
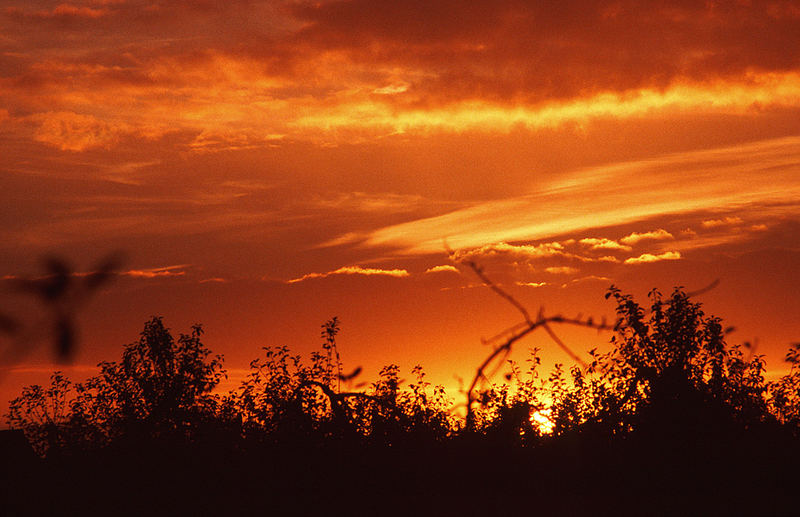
point(494, 287)
point(517, 332)
point(561, 344)
point(337, 399)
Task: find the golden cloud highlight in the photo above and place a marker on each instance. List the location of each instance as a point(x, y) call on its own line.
point(233, 102)
point(728, 178)
point(715, 223)
point(532, 284)
point(561, 270)
point(648, 257)
point(443, 268)
point(603, 244)
point(756, 91)
point(531, 251)
point(352, 270)
point(155, 272)
point(635, 237)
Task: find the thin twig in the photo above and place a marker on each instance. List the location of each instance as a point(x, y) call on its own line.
point(518, 332)
point(564, 347)
point(494, 287)
point(337, 399)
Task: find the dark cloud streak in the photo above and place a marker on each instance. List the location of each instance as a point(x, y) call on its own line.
point(533, 50)
point(507, 50)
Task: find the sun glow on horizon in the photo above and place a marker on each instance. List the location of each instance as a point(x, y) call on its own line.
point(541, 420)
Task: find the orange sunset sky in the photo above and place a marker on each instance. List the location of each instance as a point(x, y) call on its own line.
point(266, 165)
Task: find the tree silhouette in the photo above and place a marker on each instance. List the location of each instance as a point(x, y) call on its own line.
point(785, 392)
point(44, 414)
point(161, 387)
point(669, 371)
point(670, 398)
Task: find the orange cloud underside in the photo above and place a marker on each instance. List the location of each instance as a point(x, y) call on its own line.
point(231, 111)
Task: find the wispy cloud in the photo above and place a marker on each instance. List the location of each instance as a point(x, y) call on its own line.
point(634, 238)
point(168, 271)
point(156, 272)
point(530, 251)
point(603, 244)
point(64, 12)
point(353, 270)
point(238, 71)
point(532, 284)
point(728, 221)
point(374, 118)
point(725, 178)
point(214, 280)
point(442, 268)
point(604, 258)
point(561, 270)
point(391, 89)
point(648, 257)
point(71, 131)
point(369, 202)
point(694, 241)
point(584, 279)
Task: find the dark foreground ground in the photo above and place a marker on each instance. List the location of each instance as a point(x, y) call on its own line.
point(571, 476)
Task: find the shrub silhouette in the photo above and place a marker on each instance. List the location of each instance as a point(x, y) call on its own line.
point(44, 414)
point(160, 389)
point(669, 393)
point(785, 393)
point(669, 371)
point(284, 399)
point(504, 411)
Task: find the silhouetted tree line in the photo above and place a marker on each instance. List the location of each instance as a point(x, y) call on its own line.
point(672, 419)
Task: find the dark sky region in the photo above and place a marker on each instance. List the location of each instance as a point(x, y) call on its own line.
point(266, 165)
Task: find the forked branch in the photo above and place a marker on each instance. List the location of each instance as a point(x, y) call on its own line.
point(338, 399)
point(517, 332)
